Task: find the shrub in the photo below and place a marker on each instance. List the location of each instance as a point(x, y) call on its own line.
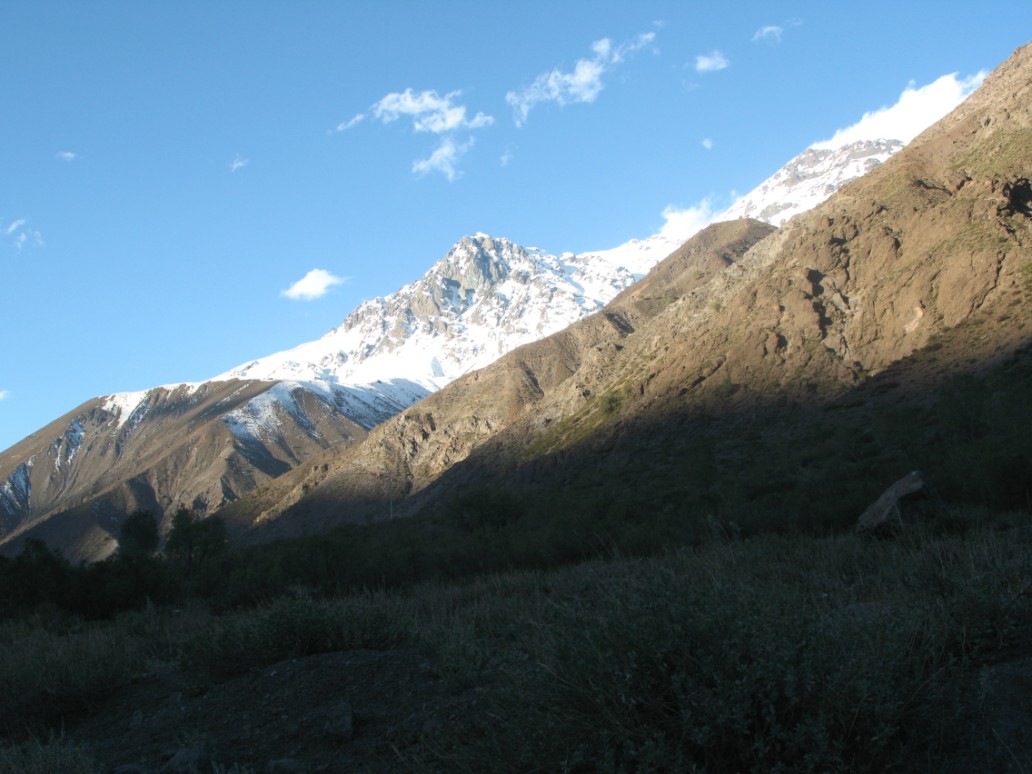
point(294, 626)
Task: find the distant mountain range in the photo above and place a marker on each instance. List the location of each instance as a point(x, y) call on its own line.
point(206, 445)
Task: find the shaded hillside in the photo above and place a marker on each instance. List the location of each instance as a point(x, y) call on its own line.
point(920, 269)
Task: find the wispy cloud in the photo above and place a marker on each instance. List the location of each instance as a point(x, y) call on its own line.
point(66, 156)
point(581, 84)
point(711, 62)
point(914, 111)
point(506, 158)
point(20, 234)
point(707, 143)
point(238, 162)
point(352, 122)
point(771, 33)
point(313, 285)
point(431, 113)
point(4, 394)
point(445, 159)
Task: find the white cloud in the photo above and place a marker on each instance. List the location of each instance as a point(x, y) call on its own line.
point(682, 224)
point(66, 156)
point(771, 32)
point(914, 111)
point(711, 62)
point(5, 394)
point(506, 158)
point(343, 126)
point(313, 285)
point(581, 84)
point(429, 112)
point(21, 235)
point(238, 162)
point(445, 159)
point(707, 143)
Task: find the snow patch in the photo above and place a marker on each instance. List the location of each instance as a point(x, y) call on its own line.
point(16, 490)
point(123, 405)
point(809, 179)
point(68, 444)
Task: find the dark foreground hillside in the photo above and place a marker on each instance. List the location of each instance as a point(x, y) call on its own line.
point(785, 653)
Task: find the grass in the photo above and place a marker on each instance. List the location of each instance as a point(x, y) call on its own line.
point(776, 653)
point(53, 756)
point(773, 653)
point(294, 626)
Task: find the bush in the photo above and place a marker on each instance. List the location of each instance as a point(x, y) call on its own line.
point(294, 626)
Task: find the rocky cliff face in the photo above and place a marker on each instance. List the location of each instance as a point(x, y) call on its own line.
point(923, 260)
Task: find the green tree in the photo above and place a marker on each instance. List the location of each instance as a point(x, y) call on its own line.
point(138, 535)
point(41, 576)
point(193, 541)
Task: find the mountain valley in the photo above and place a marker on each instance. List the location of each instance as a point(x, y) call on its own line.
point(575, 513)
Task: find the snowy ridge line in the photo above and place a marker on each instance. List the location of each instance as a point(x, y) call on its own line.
point(126, 405)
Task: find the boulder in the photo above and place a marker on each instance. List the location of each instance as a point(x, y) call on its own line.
point(906, 502)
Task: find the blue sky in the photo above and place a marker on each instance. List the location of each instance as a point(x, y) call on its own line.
point(186, 186)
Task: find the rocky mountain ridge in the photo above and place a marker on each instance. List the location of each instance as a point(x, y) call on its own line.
point(484, 298)
point(905, 271)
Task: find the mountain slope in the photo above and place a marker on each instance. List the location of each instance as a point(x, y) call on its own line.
point(195, 445)
point(484, 298)
point(927, 254)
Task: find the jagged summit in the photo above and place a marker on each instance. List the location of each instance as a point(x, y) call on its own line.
point(485, 297)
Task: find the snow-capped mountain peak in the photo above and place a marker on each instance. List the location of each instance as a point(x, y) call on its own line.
point(486, 296)
point(809, 179)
